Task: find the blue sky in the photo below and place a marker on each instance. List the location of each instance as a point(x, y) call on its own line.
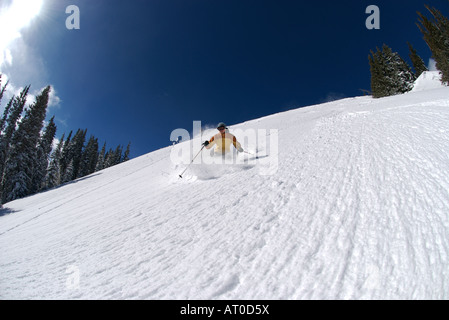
point(138, 69)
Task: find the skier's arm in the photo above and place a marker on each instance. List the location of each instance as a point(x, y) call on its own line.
point(211, 143)
point(237, 144)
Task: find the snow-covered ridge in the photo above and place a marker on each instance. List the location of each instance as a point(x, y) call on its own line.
point(428, 80)
point(358, 209)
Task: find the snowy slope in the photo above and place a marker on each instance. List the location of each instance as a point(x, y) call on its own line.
point(358, 208)
point(428, 80)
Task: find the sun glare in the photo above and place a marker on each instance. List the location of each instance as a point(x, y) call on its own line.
point(13, 19)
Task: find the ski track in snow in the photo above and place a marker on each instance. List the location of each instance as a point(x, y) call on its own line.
point(358, 209)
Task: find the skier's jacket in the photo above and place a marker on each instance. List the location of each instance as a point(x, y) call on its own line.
point(223, 141)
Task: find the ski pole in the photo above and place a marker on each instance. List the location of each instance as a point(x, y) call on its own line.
point(257, 157)
point(191, 162)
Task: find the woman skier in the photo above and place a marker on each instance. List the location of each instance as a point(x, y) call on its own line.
point(223, 141)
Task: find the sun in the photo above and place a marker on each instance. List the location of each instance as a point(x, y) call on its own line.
point(20, 13)
point(30, 8)
point(14, 18)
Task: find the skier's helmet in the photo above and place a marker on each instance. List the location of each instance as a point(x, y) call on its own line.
point(221, 124)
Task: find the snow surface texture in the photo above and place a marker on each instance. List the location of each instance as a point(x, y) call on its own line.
point(358, 208)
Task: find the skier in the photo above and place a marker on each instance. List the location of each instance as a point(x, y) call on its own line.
point(223, 141)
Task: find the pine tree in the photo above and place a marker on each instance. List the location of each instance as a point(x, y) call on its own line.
point(64, 159)
point(20, 165)
point(77, 152)
point(417, 61)
point(436, 35)
point(68, 173)
point(381, 73)
point(118, 154)
point(2, 89)
point(110, 158)
point(5, 115)
point(114, 157)
point(127, 151)
point(11, 115)
point(27, 163)
point(390, 74)
point(72, 154)
point(53, 176)
point(403, 76)
point(43, 153)
point(377, 66)
point(92, 155)
point(89, 157)
point(101, 159)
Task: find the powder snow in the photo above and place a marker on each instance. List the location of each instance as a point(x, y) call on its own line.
point(357, 208)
